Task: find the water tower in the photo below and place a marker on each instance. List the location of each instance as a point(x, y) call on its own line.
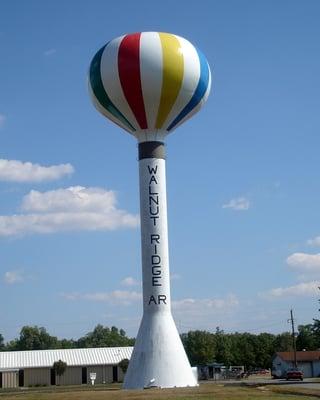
point(149, 83)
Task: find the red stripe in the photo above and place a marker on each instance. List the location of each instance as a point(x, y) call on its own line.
point(129, 72)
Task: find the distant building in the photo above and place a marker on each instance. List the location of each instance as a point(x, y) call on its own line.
point(35, 367)
point(217, 371)
point(308, 362)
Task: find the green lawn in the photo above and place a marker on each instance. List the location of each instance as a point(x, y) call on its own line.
point(208, 391)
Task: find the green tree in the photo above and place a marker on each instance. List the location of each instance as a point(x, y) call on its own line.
point(264, 350)
point(35, 338)
point(2, 346)
point(105, 337)
point(283, 342)
point(243, 350)
point(66, 344)
point(59, 368)
point(199, 346)
point(124, 364)
point(306, 338)
point(222, 347)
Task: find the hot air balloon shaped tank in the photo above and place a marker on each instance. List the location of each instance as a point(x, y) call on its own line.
point(149, 83)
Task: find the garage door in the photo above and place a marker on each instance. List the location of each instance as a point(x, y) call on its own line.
point(306, 367)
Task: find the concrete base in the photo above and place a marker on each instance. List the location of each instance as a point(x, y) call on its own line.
point(158, 358)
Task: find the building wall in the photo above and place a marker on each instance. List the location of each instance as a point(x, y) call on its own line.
point(120, 374)
point(36, 376)
point(104, 374)
point(310, 369)
point(279, 367)
point(316, 368)
point(9, 379)
point(306, 368)
point(72, 376)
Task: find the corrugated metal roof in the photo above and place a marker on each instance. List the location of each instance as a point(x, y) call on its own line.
point(73, 357)
point(301, 355)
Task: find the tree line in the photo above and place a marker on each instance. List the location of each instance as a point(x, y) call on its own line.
point(250, 350)
point(37, 338)
point(202, 347)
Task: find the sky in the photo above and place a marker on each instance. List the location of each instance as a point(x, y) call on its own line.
point(243, 174)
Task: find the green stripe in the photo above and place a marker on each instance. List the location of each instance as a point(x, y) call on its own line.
point(99, 90)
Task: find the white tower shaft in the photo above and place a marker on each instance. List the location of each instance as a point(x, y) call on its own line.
point(159, 358)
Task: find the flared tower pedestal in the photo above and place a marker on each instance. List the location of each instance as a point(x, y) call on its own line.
point(158, 358)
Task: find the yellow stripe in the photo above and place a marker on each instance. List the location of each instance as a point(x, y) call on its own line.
point(172, 75)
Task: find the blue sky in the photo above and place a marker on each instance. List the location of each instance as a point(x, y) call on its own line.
point(242, 175)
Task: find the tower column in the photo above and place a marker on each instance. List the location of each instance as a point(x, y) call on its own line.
point(158, 358)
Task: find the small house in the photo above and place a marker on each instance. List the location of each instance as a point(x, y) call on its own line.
point(307, 361)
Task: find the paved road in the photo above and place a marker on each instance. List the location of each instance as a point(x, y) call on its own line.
point(306, 385)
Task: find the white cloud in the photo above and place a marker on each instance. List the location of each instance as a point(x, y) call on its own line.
point(129, 281)
point(188, 307)
point(238, 204)
point(314, 242)
point(49, 52)
point(304, 289)
point(72, 209)
point(175, 277)
point(206, 313)
point(18, 171)
point(215, 304)
point(12, 277)
point(121, 297)
point(2, 120)
point(72, 199)
point(304, 262)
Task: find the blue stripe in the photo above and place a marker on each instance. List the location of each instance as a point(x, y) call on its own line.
point(100, 92)
point(199, 92)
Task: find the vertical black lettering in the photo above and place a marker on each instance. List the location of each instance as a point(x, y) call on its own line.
point(150, 192)
point(156, 212)
point(154, 220)
point(152, 170)
point(152, 300)
point(162, 298)
point(155, 260)
point(155, 281)
point(155, 237)
point(153, 179)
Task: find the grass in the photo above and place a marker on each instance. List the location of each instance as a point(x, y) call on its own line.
point(208, 391)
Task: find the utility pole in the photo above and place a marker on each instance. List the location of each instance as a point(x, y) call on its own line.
point(291, 320)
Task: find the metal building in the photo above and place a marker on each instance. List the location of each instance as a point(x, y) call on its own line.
point(35, 367)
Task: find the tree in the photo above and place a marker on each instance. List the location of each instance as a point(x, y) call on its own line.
point(105, 337)
point(124, 364)
point(264, 350)
point(283, 342)
point(222, 347)
point(306, 339)
point(199, 346)
point(243, 350)
point(2, 346)
point(35, 338)
point(59, 368)
point(66, 344)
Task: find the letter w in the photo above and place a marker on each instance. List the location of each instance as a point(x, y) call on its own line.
point(152, 170)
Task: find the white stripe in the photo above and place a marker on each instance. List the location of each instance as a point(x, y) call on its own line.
point(190, 80)
point(104, 112)
point(111, 80)
point(151, 74)
point(198, 107)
